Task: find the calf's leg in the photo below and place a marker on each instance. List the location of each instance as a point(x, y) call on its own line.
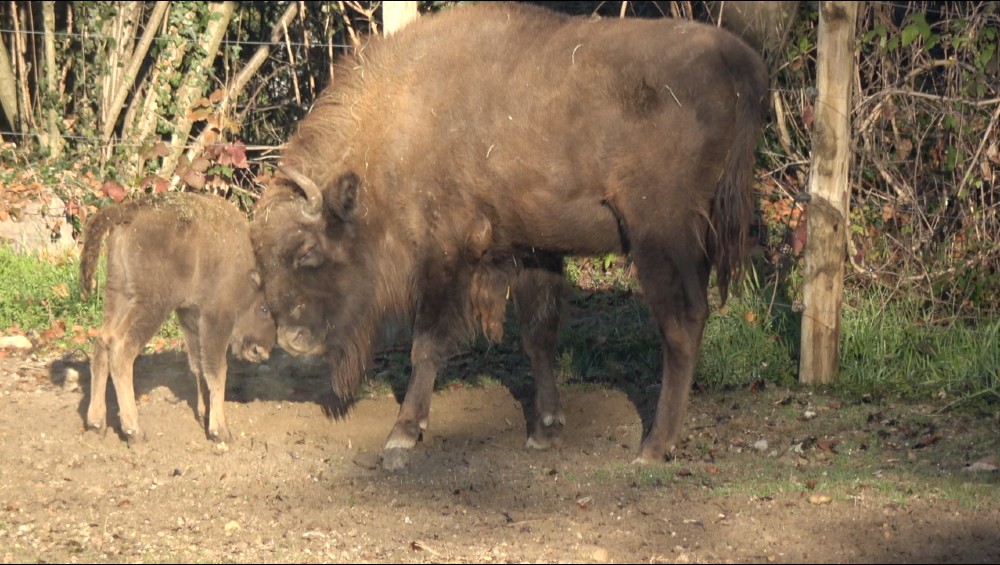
point(138, 325)
point(214, 332)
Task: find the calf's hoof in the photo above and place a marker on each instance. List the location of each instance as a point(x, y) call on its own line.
point(221, 436)
point(99, 429)
point(134, 437)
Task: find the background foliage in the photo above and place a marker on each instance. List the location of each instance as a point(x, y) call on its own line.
point(925, 210)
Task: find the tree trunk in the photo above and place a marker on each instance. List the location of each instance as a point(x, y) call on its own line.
point(53, 140)
point(144, 112)
point(236, 86)
point(8, 90)
point(195, 84)
point(118, 88)
point(829, 191)
point(21, 70)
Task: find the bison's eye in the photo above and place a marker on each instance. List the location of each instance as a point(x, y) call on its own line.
point(263, 310)
point(309, 255)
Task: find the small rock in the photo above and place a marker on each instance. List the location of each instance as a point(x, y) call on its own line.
point(395, 459)
point(595, 553)
point(818, 499)
point(980, 467)
point(14, 342)
point(72, 380)
point(366, 460)
point(760, 445)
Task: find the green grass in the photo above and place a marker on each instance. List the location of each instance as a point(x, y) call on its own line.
point(39, 292)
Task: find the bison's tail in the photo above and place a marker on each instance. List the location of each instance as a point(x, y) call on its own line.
point(733, 206)
point(97, 229)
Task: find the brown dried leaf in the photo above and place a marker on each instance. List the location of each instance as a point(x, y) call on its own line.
point(827, 445)
point(200, 164)
point(113, 190)
point(194, 179)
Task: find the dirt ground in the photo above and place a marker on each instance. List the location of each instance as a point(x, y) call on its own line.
point(835, 482)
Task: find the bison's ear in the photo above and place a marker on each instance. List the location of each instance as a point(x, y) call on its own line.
point(342, 197)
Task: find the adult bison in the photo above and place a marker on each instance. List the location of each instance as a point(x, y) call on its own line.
point(182, 252)
point(458, 161)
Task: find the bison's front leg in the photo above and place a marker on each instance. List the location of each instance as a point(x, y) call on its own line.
point(439, 321)
point(414, 412)
point(538, 296)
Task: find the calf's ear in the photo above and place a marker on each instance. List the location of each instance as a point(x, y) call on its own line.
point(342, 196)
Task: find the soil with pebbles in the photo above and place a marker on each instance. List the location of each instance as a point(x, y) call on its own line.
point(300, 485)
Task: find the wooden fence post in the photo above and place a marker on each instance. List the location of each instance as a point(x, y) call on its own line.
point(829, 191)
point(395, 15)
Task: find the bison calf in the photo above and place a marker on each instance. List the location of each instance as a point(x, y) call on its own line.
point(182, 252)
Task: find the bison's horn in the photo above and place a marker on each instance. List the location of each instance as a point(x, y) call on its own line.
point(313, 195)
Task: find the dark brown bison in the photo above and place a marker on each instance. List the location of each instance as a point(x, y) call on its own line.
point(182, 252)
point(458, 161)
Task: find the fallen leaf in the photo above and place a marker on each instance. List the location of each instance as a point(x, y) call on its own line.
point(827, 445)
point(113, 190)
point(417, 545)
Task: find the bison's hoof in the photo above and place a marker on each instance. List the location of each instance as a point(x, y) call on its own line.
point(403, 436)
point(394, 459)
point(542, 443)
point(550, 419)
point(649, 456)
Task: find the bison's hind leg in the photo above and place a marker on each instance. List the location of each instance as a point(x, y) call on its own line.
point(674, 279)
point(538, 296)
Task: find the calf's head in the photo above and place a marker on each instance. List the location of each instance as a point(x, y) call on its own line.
point(254, 332)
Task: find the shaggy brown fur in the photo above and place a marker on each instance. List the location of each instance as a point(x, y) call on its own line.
point(182, 252)
point(458, 161)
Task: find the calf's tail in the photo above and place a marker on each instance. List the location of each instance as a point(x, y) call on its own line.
point(100, 225)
